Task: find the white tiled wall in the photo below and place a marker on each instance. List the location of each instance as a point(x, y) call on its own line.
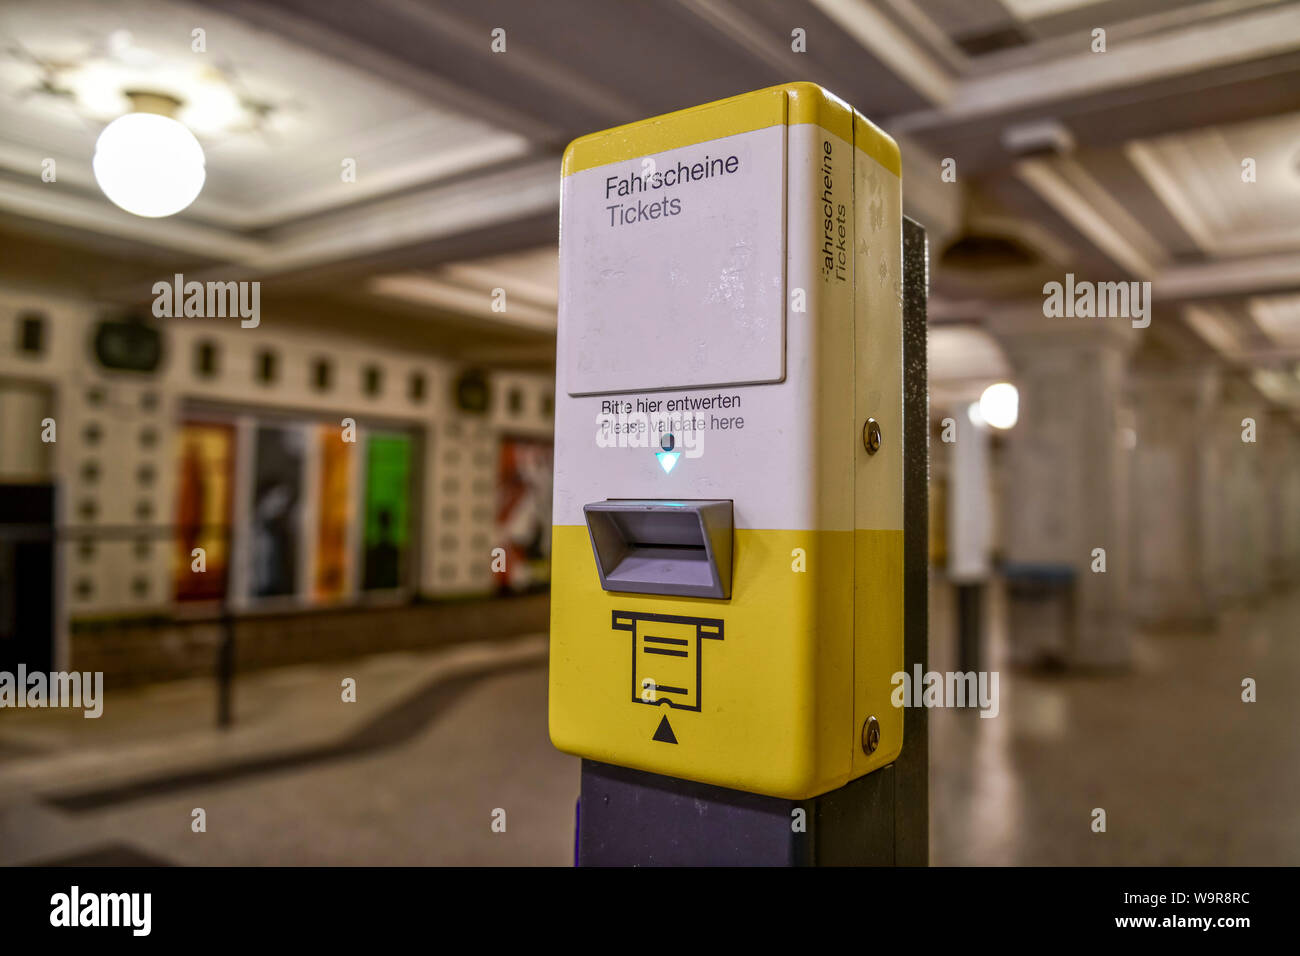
point(126, 475)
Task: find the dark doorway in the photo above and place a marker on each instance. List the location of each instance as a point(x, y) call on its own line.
point(27, 577)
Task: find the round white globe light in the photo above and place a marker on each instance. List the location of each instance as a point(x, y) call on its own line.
point(149, 165)
point(1000, 405)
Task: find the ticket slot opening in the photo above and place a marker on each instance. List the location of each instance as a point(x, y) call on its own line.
point(669, 547)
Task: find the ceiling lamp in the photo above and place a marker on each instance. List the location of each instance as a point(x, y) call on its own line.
point(148, 163)
point(1000, 405)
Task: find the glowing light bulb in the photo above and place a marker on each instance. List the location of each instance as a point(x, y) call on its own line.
point(149, 165)
point(1000, 405)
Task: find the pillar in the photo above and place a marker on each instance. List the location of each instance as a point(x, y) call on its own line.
point(1174, 495)
point(1067, 488)
point(1242, 519)
point(1280, 444)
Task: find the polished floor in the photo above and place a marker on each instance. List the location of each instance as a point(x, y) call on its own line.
point(1186, 772)
point(438, 746)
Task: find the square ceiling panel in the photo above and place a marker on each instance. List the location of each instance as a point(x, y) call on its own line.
point(1279, 317)
point(1198, 175)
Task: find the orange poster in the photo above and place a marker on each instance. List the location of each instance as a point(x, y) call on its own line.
point(332, 532)
point(206, 456)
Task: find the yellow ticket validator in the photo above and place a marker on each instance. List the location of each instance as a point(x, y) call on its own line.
point(727, 558)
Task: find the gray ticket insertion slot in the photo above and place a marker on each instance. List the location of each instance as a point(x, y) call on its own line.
point(678, 547)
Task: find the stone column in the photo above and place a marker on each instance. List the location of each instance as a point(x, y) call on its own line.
point(970, 533)
point(1279, 445)
point(1174, 508)
point(1242, 524)
point(1067, 486)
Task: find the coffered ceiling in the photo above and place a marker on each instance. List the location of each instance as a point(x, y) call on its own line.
point(1122, 164)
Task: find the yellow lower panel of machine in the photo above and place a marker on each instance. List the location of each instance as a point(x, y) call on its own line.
point(755, 693)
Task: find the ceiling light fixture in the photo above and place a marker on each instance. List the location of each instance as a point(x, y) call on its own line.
point(1000, 405)
point(148, 163)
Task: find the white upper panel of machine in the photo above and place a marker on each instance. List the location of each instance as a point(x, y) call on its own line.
point(672, 268)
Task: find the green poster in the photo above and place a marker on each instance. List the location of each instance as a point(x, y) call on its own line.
point(388, 510)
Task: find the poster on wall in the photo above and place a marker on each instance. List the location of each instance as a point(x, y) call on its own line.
point(524, 513)
point(275, 512)
point(332, 526)
point(388, 511)
point(206, 453)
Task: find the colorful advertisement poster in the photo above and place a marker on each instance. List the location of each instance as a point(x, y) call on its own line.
point(332, 526)
point(524, 513)
point(206, 454)
point(388, 511)
point(275, 512)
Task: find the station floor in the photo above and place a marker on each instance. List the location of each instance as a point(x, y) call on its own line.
point(437, 743)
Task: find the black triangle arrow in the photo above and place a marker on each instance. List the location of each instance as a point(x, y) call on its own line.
point(665, 732)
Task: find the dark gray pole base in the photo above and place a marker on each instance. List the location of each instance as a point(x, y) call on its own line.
point(629, 817)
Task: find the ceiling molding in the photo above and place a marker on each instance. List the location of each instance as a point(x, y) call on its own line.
point(437, 292)
point(1193, 49)
point(1124, 31)
point(879, 36)
point(1068, 188)
point(289, 22)
point(95, 214)
point(731, 21)
point(533, 67)
point(953, 56)
point(1229, 278)
point(1215, 327)
point(439, 211)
